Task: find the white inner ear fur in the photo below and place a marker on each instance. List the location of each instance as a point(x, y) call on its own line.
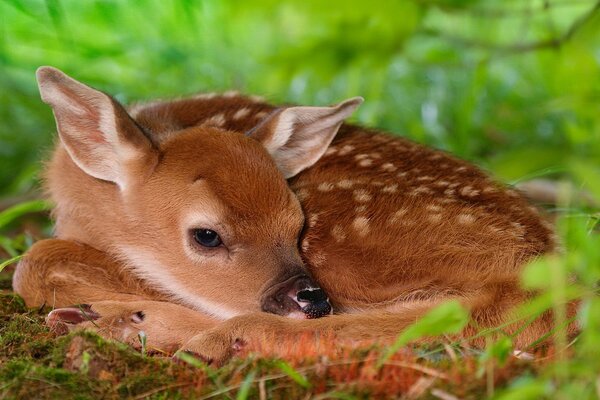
point(86, 121)
point(302, 134)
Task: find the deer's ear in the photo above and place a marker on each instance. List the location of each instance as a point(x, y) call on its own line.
point(95, 129)
point(296, 137)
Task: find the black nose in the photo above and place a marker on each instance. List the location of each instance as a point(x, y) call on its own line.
point(312, 295)
point(318, 303)
point(297, 294)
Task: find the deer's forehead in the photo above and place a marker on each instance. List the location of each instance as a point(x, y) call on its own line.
point(213, 153)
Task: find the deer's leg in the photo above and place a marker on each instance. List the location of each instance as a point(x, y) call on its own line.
point(166, 326)
point(89, 289)
point(489, 308)
point(59, 273)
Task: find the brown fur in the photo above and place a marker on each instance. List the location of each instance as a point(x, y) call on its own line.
point(392, 228)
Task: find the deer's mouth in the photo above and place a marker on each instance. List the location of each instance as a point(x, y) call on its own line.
point(297, 297)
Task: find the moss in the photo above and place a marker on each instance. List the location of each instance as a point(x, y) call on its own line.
point(11, 303)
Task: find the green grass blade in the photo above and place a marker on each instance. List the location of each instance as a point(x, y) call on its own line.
point(245, 387)
point(12, 213)
point(9, 261)
point(293, 374)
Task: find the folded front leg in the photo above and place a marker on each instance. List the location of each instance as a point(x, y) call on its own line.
point(166, 326)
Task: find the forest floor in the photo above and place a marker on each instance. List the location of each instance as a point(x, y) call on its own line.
point(37, 364)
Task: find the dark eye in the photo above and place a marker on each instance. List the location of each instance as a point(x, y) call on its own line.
point(207, 237)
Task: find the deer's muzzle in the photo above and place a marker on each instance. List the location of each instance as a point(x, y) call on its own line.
point(296, 297)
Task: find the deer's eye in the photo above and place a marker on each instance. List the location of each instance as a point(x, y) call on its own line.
point(207, 237)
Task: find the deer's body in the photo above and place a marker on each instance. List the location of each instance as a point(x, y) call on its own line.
point(391, 227)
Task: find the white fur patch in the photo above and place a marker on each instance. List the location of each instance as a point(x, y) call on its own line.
point(217, 120)
point(362, 196)
point(346, 150)
point(241, 113)
point(345, 184)
point(338, 233)
point(150, 269)
point(361, 225)
point(465, 219)
point(325, 187)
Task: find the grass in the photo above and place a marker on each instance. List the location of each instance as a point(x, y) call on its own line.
point(513, 86)
point(35, 364)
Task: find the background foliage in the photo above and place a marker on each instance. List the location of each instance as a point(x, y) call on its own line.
point(513, 85)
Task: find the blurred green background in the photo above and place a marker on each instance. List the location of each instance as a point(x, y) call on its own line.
point(513, 85)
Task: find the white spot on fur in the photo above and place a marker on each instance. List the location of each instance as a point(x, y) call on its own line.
point(441, 183)
point(375, 155)
point(217, 120)
point(345, 184)
point(325, 187)
point(361, 225)
point(312, 220)
point(360, 209)
point(330, 151)
point(424, 178)
point(377, 183)
point(360, 156)
point(434, 207)
point(465, 219)
point(205, 96)
point(397, 216)
point(389, 167)
point(390, 188)
point(231, 93)
point(362, 196)
point(305, 245)
point(241, 113)
point(338, 233)
point(460, 169)
point(302, 194)
point(401, 174)
point(346, 149)
point(420, 190)
point(469, 191)
point(365, 163)
point(261, 114)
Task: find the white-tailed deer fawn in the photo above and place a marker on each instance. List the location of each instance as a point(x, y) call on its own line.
point(175, 216)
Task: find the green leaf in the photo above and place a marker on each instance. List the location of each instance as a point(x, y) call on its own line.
point(526, 389)
point(535, 274)
point(293, 374)
point(16, 211)
point(10, 261)
point(499, 350)
point(447, 318)
point(245, 387)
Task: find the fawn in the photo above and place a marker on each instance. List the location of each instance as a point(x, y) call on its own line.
point(175, 218)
